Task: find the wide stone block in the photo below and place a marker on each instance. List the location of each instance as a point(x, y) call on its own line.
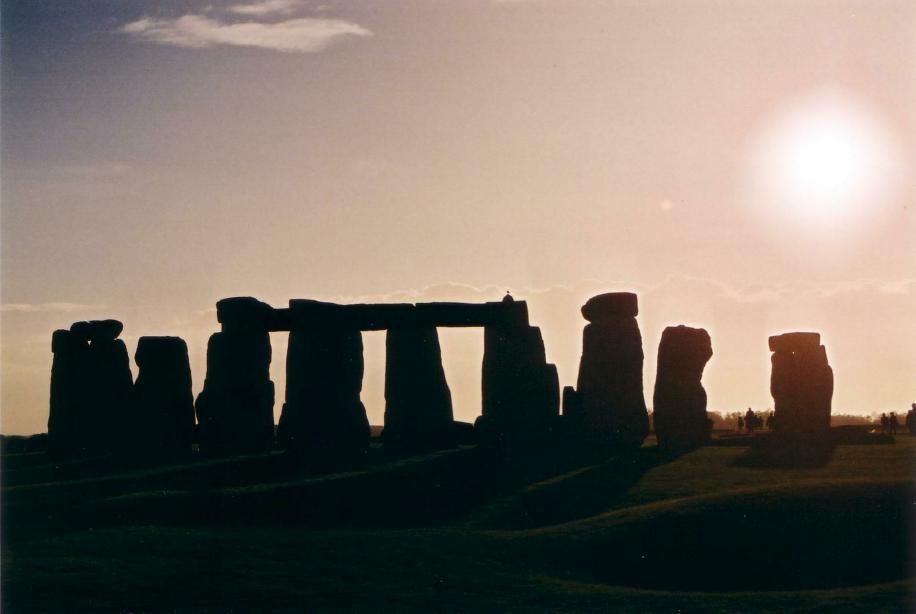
point(611, 306)
point(790, 342)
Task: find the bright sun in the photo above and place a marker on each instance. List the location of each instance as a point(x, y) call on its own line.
point(823, 162)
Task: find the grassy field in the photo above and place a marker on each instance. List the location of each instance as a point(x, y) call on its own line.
point(457, 531)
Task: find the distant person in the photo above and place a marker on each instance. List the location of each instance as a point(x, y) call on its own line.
point(911, 420)
point(750, 420)
point(892, 423)
point(740, 424)
point(884, 424)
point(769, 425)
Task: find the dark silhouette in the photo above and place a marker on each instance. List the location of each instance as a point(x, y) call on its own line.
point(911, 420)
point(609, 389)
point(418, 403)
point(90, 386)
point(892, 423)
point(162, 401)
point(885, 424)
point(802, 386)
point(740, 424)
point(521, 391)
point(323, 415)
point(235, 408)
point(679, 402)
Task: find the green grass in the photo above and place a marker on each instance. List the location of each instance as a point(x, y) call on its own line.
point(700, 533)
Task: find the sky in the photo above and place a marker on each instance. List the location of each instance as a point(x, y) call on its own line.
point(747, 167)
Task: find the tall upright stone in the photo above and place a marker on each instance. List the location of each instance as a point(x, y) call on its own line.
point(162, 401)
point(521, 390)
point(801, 383)
point(418, 403)
point(91, 385)
point(235, 407)
point(323, 416)
point(69, 389)
point(679, 402)
point(611, 406)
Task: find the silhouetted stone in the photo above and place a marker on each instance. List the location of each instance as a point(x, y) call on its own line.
point(790, 342)
point(679, 402)
point(572, 405)
point(162, 400)
point(418, 404)
point(243, 313)
point(68, 393)
point(235, 407)
point(611, 306)
point(610, 390)
point(323, 416)
point(521, 391)
point(110, 385)
point(801, 383)
point(97, 330)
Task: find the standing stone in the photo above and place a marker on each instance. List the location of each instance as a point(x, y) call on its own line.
point(680, 399)
point(609, 389)
point(418, 403)
point(235, 407)
point(323, 416)
point(162, 400)
point(68, 393)
point(91, 385)
point(801, 383)
point(521, 390)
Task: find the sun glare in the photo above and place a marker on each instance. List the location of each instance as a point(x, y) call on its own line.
point(824, 162)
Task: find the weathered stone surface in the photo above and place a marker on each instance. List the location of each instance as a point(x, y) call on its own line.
point(323, 415)
point(790, 342)
point(609, 387)
point(418, 403)
point(679, 402)
point(162, 401)
point(521, 391)
point(235, 407)
point(801, 383)
point(611, 306)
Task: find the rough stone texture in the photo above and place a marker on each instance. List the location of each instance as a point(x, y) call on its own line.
point(801, 383)
point(418, 403)
point(609, 387)
point(162, 401)
point(611, 306)
point(679, 402)
point(323, 416)
point(235, 407)
point(521, 391)
point(91, 384)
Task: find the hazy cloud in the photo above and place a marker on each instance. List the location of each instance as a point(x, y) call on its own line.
point(300, 35)
point(46, 307)
point(267, 7)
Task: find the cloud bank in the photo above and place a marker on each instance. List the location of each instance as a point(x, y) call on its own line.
point(298, 35)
